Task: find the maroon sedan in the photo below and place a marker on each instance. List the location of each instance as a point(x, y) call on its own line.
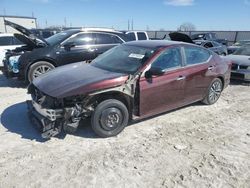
point(131, 81)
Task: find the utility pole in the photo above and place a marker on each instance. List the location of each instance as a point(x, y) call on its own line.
point(132, 24)
point(65, 21)
point(4, 13)
point(128, 25)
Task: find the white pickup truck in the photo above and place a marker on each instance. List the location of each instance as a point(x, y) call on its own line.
point(137, 35)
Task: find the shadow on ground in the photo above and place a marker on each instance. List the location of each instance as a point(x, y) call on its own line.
point(14, 83)
point(15, 119)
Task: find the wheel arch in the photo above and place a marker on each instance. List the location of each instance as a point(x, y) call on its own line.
point(124, 98)
point(49, 60)
point(222, 80)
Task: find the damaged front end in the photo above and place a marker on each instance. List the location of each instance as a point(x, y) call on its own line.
point(52, 116)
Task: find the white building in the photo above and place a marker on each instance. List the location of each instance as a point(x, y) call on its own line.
point(25, 21)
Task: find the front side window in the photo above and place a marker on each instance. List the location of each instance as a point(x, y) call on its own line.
point(171, 58)
point(141, 36)
point(82, 39)
point(131, 36)
point(6, 41)
point(17, 42)
point(196, 55)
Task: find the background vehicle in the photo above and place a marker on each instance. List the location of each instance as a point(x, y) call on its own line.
point(135, 80)
point(209, 36)
point(63, 48)
point(240, 63)
point(137, 35)
point(216, 47)
point(237, 45)
point(7, 42)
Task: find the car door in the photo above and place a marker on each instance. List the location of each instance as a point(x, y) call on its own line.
point(106, 41)
point(164, 92)
point(199, 66)
point(80, 47)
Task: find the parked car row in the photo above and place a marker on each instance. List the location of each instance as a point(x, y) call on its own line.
point(105, 76)
point(240, 63)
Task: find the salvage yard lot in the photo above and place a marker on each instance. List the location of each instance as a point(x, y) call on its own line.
point(195, 146)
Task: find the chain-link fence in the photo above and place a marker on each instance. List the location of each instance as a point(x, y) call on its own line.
point(231, 36)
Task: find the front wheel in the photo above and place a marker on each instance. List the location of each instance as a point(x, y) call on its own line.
point(39, 68)
point(214, 92)
point(109, 118)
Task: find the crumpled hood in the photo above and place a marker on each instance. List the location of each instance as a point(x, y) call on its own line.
point(78, 78)
point(239, 59)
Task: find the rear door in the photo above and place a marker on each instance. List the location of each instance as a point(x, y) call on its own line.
point(165, 92)
point(200, 69)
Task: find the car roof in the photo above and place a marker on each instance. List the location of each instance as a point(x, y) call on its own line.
point(155, 44)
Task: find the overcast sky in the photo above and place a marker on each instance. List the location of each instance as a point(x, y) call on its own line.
point(146, 14)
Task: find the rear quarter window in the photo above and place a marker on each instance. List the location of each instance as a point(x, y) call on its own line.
point(196, 55)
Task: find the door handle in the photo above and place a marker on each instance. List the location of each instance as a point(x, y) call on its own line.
point(210, 68)
point(181, 78)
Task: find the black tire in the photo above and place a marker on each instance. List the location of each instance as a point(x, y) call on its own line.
point(109, 118)
point(40, 66)
point(213, 92)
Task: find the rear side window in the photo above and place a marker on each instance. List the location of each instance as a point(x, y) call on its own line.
point(102, 38)
point(196, 55)
point(6, 41)
point(82, 39)
point(141, 36)
point(17, 42)
point(171, 58)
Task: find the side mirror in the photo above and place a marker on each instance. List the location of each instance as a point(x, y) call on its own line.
point(68, 46)
point(154, 71)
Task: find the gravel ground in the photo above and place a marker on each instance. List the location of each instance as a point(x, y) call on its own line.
point(195, 146)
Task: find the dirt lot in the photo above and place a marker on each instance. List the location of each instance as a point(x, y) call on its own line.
point(196, 146)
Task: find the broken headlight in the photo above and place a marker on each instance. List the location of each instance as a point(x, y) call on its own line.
point(14, 64)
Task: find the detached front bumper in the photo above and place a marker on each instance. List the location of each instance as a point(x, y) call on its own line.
point(51, 122)
point(47, 121)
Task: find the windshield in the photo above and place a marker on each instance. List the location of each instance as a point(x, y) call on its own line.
point(59, 37)
point(241, 43)
point(245, 50)
point(123, 58)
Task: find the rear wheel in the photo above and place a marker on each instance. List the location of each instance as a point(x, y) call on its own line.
point(214, 92)
point(39, 68)
point(109, 118)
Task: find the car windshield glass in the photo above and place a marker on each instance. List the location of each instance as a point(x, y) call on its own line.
point(58, 38)
point(123, 58)
point(243, 51)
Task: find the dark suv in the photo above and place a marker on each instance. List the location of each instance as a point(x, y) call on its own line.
point(39, 56)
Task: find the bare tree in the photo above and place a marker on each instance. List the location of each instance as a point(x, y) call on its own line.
point(186, 27)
